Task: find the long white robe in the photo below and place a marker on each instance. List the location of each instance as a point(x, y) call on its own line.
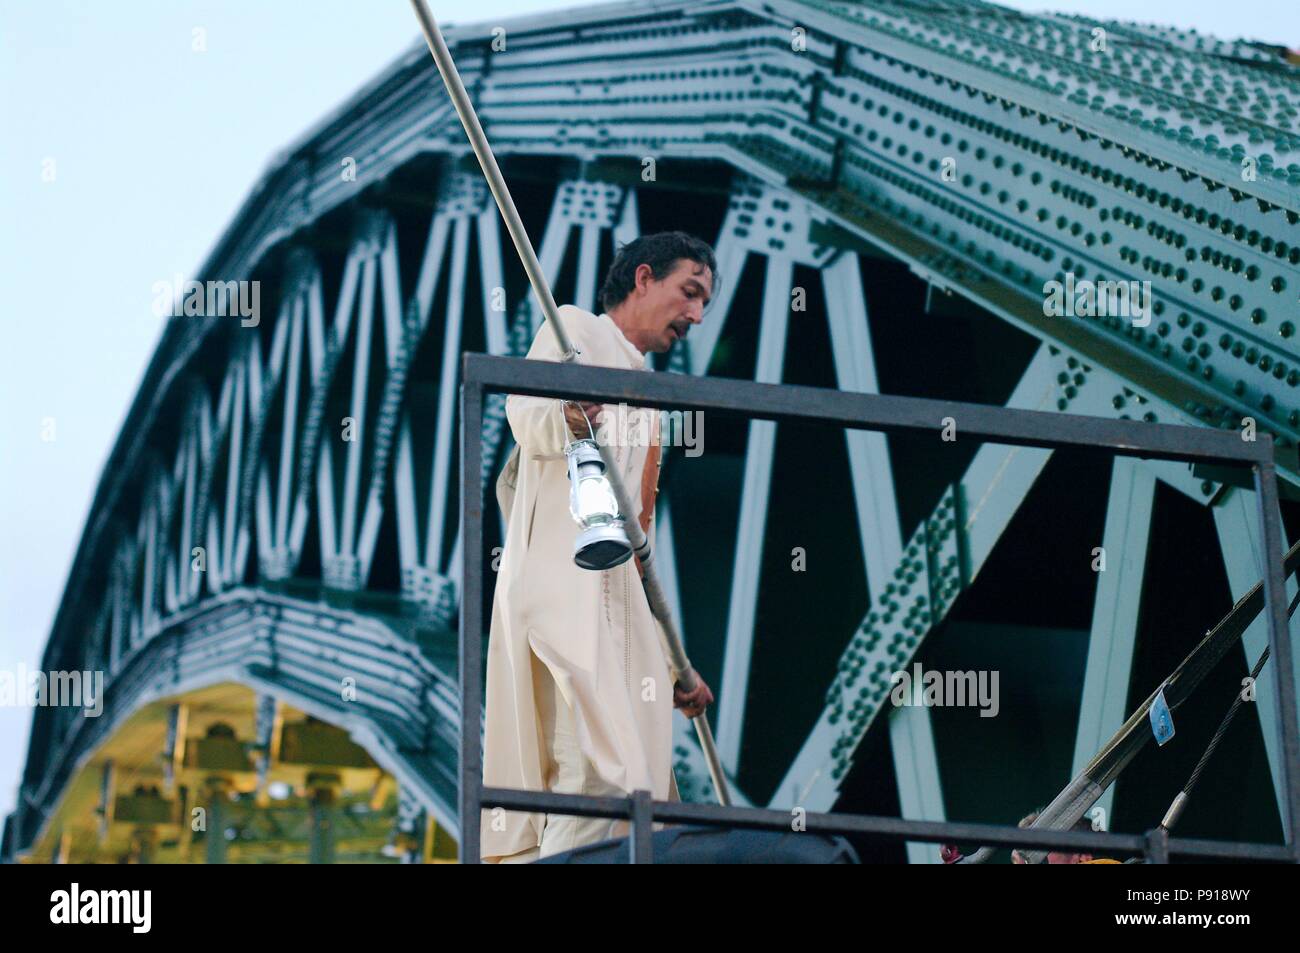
point(593, 630)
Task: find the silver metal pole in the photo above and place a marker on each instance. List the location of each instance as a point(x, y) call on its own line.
point(678, 663)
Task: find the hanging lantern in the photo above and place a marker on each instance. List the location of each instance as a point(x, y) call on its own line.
point(602, 542)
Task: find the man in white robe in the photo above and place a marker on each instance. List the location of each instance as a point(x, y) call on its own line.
point(579, 696)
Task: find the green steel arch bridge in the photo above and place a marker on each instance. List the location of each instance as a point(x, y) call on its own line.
point(269, 576)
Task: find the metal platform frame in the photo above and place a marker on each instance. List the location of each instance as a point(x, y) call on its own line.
point(483, 374)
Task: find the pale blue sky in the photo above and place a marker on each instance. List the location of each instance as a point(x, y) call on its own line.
point(154, 147)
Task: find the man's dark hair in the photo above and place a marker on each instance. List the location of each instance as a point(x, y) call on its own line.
point(661, 252)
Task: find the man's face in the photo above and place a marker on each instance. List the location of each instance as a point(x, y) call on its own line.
point(667, 309)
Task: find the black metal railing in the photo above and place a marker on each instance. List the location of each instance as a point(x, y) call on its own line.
point(484, 374)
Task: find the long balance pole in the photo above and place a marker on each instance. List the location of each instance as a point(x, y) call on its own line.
point(672, 643)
